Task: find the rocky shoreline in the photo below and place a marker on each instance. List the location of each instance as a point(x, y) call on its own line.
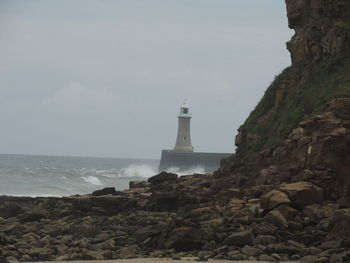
point(171, 216)
point(284, 196)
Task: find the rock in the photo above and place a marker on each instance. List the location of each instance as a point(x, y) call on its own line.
point(240, 238)
point(296, 244)
point(30, 217)
point(148, 231)
point(107, 245)
point(339, 258)
point(302, 193)
point(109, 203)
point(235, 255)
point(162, 177)
point(318, 212)
point(276, 256)
point(273, 199)
point(129, 251)
point(138, 184)
point(276, 218)
point(330, 244)
point(265, 239)
point(11, 259)
point(25, 258)
point(205, 254)
point(105, 191)
point(282, 248)
point(288, 212)
point(295, 257)
point(264, 257)
point(8, 209)
point(186, 239)
point(322, 260)
point(250, 251)
point(339, 225)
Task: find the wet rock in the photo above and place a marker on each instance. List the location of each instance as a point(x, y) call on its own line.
point(138, 184)
point(162, 177)
point(105, 191)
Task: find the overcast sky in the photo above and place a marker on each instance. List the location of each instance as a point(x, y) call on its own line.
point(106, 78)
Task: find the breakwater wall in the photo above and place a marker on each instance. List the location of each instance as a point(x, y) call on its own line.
point(187, 160)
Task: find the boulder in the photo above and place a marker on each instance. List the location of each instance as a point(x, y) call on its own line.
point(30, 217)
point(250, 251)
point(129, 251)
point(273, 199)
point(265, 239)
point(163, 177)
point(148, 231)
point(264, 257)
point(302, 193)
point(105, 191)
point(317, 212)
point(9, 209)
point(138, 184)
point(309, 259)
point(240, 238)
point(186, 239)
point(276, 218)
point(288, 212)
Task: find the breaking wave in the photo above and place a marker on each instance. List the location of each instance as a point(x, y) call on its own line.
point(92, 180)
point(138, 170)
point(190, 171)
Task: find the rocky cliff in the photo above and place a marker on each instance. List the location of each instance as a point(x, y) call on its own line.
point(319, 73)
point(284, 195)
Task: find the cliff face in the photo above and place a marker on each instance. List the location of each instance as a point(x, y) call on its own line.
point(321, 28)
point(319, 73)
point(301, 126)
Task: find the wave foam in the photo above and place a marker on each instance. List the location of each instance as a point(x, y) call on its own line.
point(92, 180)
point(193, 170)
point(138, 170)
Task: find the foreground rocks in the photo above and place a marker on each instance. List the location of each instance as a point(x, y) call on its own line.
point(295, 208)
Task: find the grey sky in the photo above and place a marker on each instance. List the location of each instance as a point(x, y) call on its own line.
point(107, 78)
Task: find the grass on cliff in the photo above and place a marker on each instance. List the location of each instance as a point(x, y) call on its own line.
point(281, 109)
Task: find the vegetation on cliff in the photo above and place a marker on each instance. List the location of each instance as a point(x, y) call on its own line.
point(319, 73)
point(281, 110)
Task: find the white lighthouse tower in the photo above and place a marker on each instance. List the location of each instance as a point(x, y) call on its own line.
point(183, 141)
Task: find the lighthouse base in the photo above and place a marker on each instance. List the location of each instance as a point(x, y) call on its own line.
point(187, 160)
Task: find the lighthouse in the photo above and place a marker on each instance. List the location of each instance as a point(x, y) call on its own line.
point(183, 140)
point(182, 157)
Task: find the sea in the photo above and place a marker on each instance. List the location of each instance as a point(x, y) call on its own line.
point(36, 175)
